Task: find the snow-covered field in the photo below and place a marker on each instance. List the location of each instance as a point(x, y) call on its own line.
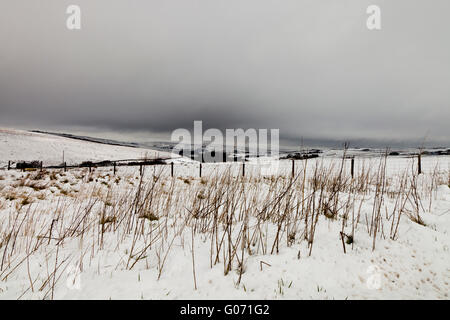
point(18, 145)
point(268, 235)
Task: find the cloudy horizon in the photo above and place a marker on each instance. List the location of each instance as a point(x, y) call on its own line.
point(141, 69)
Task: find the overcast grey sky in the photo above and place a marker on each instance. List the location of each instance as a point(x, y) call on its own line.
point(308, 67)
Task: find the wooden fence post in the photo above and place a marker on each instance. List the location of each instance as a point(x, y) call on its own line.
point(9, 165)
point(352, 167)
point(114, 164)
point(89, 167)
point(40, 166)
point(293, 168)
point(200, 169)
point(140, 169)
point(419, 163)
point(65, 167)
point(243, 168)
point(171, 169)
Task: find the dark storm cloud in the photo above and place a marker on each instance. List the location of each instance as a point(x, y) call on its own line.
point(310, 68)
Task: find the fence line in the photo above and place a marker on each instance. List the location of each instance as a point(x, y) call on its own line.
point(142, 163)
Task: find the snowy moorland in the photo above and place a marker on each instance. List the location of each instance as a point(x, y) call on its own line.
point(18, 145)
point(317, 234)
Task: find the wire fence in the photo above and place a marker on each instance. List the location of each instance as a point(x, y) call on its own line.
point(197, 168)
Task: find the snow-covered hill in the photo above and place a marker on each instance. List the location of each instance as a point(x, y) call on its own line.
point(18, 145)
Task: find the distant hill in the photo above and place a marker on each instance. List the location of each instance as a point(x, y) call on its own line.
point(20, 145)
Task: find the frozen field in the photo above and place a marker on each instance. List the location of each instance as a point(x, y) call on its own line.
point(18, 145)
point(267, 235)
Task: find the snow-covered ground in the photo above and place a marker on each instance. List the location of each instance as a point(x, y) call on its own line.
point(268, 235)
point(18, 145)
